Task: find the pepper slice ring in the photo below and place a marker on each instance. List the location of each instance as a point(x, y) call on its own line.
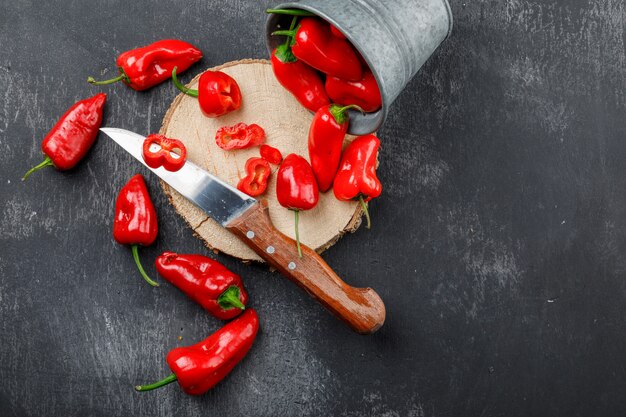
point(159, 150)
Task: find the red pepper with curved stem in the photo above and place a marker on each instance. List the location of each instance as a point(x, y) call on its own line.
point(326, 134)
point(302, 81)
point(135, 220)
point(296, 188)
point(255, 182)
point(73, 135)
point(364, 93)
point(239, 136)
point(206, 281)
point(356, 178)
point(199, 367)
point(145, 67)
point(165, 153)
point(271, 154)
point(315, 45)
point(218, 93)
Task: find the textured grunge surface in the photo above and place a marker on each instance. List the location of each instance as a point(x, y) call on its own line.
point(498, 244)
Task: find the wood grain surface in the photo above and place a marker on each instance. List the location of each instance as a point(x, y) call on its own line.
point(286, 123)
point(498, 243)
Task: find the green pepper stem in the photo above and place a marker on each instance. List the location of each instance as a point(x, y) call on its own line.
point(230, 299)
point(290, 12)
point(367, 213)
point(93, 81)
point(297, 212)
point(47, 162)
point(135, 250)
point(188, 91)
point(339, 113)
point(167, 380)
point(287, 32)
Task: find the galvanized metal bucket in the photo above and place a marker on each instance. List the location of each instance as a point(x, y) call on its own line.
point(395, 37)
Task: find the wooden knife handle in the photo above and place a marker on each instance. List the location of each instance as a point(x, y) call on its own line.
point(361, 308)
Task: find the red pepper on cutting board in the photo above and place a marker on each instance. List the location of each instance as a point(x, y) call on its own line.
point(315, 45)
point(302, 81)
point(296, 188)
point(239, 136)
point(326, 134)
point(145, 67)
point(206, 281)
point(255, 182)
point(218, 93)
point(171, 154)
point(271, 154)
point(135, 220)
point(364, 93)
point(73, 135)
point(199, 367)
point(356, 178)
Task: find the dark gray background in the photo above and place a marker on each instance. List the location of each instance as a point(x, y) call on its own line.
point(498, 244)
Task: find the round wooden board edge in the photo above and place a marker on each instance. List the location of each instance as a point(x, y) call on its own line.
point(351, 226)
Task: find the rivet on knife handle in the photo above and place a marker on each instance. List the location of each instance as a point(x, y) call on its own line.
point(360, 308)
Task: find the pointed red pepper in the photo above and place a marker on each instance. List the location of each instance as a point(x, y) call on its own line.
point(315, 45)
point(171, 154)
point(271, 154)
point(199, 367)
point(356, 178)
point(364, 93)
point(326, 134)
point(135, 220)
point(145, 67)
point(239, 136)
point(218, 93)
point(73, 135)
point(296, 188)
point(255, 182)
point(206, 281)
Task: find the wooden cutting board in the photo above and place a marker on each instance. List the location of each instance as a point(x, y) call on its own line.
point(286, 124)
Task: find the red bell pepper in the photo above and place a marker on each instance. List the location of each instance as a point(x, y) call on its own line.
point(73, 135)
point(255, 182)
point(326, 134)
point(336, 32)
point(171, 154)
point(239, 136)
point(315, 45)
point(364, 93)
point(296, 188)
point(199, 367)
point(135, 220)
point(271, 154)
point(206, 281)
point(356, 178)
point(150, 65)
point(302, 81)
point(218, 93)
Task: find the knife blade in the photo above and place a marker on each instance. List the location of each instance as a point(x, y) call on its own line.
point(360, 308)
point(216, 198)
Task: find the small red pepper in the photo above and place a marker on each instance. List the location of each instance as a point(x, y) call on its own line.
point(199, 367)
point(315, 45)
point(206, 281)
point(326, 134)
point(296, 188)
point(171, 154)
point(218, 93)
point(135, 220)
point(356, 178)
point(302, 81)
point(239, 136)
point(255, 182)
point(145, 67)
point(271, 154)
point(73, 135)
point(364, 93)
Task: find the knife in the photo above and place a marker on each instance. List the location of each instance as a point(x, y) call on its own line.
point(360, 308)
